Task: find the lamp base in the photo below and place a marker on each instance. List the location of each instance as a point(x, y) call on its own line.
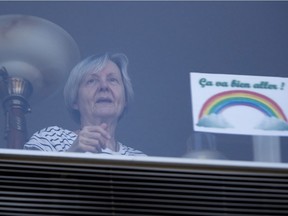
point(14, 94)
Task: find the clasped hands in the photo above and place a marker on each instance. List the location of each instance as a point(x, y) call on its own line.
point(92, 139)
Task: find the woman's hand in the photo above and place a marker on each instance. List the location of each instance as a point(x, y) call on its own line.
point(91, 139)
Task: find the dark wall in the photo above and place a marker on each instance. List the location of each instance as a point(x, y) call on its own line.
point(164, 42)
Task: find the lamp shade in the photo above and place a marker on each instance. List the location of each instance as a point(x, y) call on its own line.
point(37, 50)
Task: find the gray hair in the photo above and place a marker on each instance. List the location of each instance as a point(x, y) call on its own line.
point(95, 63)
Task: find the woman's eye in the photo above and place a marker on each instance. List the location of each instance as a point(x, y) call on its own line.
point(91, 81)
point(113, 80)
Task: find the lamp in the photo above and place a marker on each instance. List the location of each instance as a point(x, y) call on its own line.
point(35, 58)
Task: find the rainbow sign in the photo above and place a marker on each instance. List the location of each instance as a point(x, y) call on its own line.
point(221, 101)
point(239, 104)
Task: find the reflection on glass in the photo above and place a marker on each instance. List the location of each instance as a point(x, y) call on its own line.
point(202, 145)
point(267, 148)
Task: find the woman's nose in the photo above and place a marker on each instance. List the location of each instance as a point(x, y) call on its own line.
point(103, 85)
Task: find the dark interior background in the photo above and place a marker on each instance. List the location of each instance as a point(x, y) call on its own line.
point(164, 41)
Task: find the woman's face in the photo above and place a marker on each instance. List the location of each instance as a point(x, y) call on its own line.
point(101, 94)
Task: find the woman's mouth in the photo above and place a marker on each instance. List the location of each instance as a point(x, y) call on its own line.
point(104, 100)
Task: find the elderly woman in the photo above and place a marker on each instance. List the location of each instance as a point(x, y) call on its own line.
point(96, 94)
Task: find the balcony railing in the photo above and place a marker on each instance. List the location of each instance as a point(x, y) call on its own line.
point(45, 184)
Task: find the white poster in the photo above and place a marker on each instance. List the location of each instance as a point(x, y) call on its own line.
point(238, 104)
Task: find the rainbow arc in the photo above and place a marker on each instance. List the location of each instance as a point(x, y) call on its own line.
point(219, 102)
